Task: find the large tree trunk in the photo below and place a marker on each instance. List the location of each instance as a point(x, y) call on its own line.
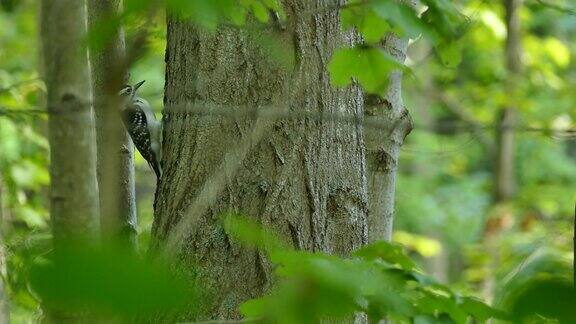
point(383, 145)
point(302, 177)
point(115, 150)
point(74, 190)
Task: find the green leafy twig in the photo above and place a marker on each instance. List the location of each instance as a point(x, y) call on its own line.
point(556, 7)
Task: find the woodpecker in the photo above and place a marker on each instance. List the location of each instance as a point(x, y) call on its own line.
point(143, 127)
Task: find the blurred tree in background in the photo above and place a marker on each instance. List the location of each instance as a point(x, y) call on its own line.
point(510, 253)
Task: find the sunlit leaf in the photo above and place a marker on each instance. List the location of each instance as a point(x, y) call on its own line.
point(388, 252)
point(558, 51)
point(371, 26)
point(32, 217)
point(426, 246)
point(260, 12)
point(370, 66)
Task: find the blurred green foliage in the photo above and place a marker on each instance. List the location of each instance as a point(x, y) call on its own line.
point(440, 23)
point(107, 282)
point(516, 255)
point(445, 183)
point(380, 280)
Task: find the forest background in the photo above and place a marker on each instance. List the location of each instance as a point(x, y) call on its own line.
point(450, 218)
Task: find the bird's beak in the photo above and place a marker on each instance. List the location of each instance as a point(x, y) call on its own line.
point(137, 85)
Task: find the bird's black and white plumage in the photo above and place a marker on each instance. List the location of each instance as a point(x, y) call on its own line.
point(143, 127)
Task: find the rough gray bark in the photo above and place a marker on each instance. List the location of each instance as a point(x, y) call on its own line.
point(115, 149)
point(73, 189)
point(304, 178)
point(383, 146)
point(505, 185)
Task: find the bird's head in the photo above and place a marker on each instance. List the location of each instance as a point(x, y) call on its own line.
point(129, 91)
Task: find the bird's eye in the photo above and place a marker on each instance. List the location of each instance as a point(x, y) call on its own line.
point(126, 90)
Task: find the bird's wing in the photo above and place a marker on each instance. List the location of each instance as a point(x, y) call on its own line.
point(144, 105)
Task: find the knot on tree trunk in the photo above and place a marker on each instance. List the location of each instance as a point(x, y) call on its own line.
point(380, 161)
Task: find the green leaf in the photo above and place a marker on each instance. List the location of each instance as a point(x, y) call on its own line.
point(479, 310)
point(273, 4)
point(9, 5)
point(443, 18)
point(207, 14)
point(260, 12)
point(403, 18)
point(552, 298)
point(251, 233)
point(450, 54)
point(370, 66)
point(137, 6)
point(372, 27)
point(238, 16)
point(437, 302)
point(315, 286)
point(100, 35)
point(274, 51)
point(343, 66)
point(388, 252)
point(32, 217)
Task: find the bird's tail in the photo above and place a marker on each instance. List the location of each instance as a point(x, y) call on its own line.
point(157, 170)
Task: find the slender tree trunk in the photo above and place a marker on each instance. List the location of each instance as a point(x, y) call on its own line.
point(383, 146)
point(74, 190)
point(505, 185)
point(4, 299)
point(305, 178)
point(505, 182)
point(115, 150)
